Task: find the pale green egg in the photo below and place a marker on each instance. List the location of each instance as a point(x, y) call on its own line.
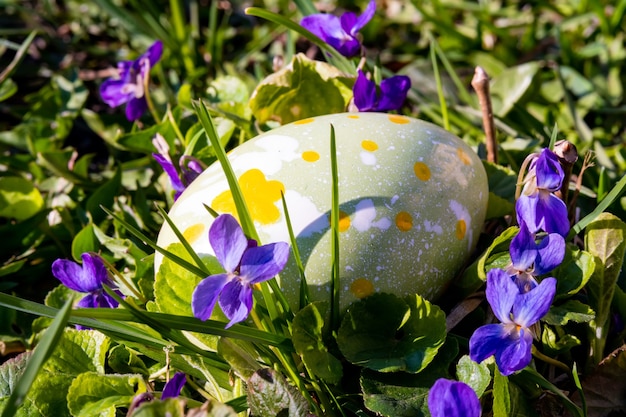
point(412, 196)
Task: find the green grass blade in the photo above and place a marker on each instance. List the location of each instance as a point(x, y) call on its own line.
point(240, 203)
point(304, 288)
point(442, 99)
point(184, 242)
point(180, 261)
point(603, 205)
point(19, 55)
point(41, 354)
point(534, 376)
point(335, 57)
point(334, 228)
point(305, 7)
point(460, 86)
point(553, 137)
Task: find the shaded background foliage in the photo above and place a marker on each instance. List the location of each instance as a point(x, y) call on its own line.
point(554, 64)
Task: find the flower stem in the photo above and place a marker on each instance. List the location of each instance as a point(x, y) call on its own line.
point(149, 102)
point(550, 360)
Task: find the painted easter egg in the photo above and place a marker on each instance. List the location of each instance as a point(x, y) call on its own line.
point(412, 202)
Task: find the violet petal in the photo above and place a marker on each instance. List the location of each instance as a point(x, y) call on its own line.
point(228, 241)
point(206, 293)
point(263, 262)
point(448, 398)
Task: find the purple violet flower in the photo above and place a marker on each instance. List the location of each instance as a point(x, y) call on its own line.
point(538, 207)
point(174, 386)
point(129, 87)
point(530, 259)
point(88, 278)
point(245, 263)
point(511, 341)
point(391, 96)
point(448, 398)
point(340, 33)
point(190, 167)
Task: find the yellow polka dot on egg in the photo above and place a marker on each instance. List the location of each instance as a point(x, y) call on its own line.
point(465, 158)
point(310, 156)
point(401, 120)
point(362, 287)
point(192, 233)
point(404, 221)
point(353, 116)
point(461, 229)
point(421, 171)
point(369, 145)
point(304, 121)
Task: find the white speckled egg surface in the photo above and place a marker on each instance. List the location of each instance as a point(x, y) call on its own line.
point(412, 198)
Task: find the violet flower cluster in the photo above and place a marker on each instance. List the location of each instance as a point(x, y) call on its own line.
point(245, 263)
point(517, 299)
point(341, 34)
point(129, 88)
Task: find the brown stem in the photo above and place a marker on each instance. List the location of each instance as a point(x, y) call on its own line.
point(480, 83)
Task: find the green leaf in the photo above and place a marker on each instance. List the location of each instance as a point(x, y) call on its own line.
point(240, 355)
point(571, 310)
point(401, 394)
point(498, 207)
point(19, 199)
point(509, 399)
point(79, 351)
point(605, 240)
point(303, 89)
point(171, 407)
point(308, 329)
point(555, 345)
point(42, 353)
point(104, 196)
point(476, 375)
point(92, 394)
point(85, 241)
point(501, 396)
point(574, 272)
point(124, 360)
point(269, 394)
point(397, 394)
point(476, 274)
point(385, 333)
point(7, 89)
point(174, 284)
point(508, 87)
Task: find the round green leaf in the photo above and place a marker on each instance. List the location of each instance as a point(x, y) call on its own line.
point(19, 199)
point(387, 334)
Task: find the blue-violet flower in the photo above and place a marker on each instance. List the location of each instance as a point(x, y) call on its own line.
point(538, 207)
point(88, 278)
point(530, 259)
point(245, 263)
point(174, 386)
point(190, 167)
point(510, 341)
point(448, 398)
point(391, 96)
point(129, 88)
point(340, 33)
